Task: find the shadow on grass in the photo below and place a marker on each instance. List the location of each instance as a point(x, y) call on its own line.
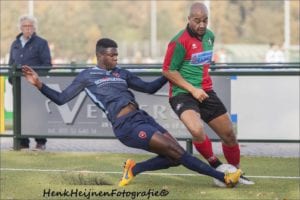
point(84, 179)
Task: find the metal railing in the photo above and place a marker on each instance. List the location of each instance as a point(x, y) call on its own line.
point(217, 69)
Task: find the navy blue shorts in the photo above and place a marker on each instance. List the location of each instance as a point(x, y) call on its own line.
point(136, 129)
point(209, 109)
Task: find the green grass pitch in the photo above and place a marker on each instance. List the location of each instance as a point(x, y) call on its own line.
point(78, 175)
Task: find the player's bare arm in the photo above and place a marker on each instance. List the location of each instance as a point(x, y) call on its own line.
point(31, 76)
point(176, 78)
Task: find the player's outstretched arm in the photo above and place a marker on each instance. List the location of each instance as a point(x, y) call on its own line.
point(57, 97)
point(150, 87)
point(31, 76)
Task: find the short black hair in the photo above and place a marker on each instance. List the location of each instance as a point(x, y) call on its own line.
point(105, 43)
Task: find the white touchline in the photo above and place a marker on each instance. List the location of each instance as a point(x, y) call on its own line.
point(146, 173)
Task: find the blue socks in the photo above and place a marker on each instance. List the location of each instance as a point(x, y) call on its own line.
point(156, 163)
point(187, 160)
point(199, 166)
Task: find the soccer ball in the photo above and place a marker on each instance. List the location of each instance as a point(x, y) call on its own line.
point(224, 168)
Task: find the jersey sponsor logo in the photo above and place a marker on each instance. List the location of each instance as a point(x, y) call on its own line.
point(201, 58)
point(109, 80)
point(142, 134)
point(96, 73)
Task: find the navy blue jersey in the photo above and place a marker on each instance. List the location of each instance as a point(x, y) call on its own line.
point(107, 89)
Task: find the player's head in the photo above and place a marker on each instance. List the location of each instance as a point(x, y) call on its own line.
point(107, 53)
point(198, 18)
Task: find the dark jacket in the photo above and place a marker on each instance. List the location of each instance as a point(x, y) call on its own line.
point(35, 52)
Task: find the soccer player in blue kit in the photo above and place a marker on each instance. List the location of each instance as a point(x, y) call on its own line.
point(108, 87)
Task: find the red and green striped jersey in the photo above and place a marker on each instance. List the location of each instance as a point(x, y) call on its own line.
point(191, 58)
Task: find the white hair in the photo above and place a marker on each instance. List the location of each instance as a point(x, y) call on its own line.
point(30, 18)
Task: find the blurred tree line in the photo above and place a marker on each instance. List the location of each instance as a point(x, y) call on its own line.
point(73, 27)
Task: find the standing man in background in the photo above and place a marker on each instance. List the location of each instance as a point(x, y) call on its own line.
point(30, 49)
point(192, 97)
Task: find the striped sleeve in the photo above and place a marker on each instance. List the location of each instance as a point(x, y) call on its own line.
point(174, 56)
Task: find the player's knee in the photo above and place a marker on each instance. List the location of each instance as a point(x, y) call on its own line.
point(198, 133)
point(199, 137)
point(229, 138)
point(175, 152)
point(199, 128)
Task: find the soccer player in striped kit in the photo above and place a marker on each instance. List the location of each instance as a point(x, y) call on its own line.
point(192, 97)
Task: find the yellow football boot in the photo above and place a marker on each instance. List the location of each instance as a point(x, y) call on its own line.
point(127, 173)
point(231, 179)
